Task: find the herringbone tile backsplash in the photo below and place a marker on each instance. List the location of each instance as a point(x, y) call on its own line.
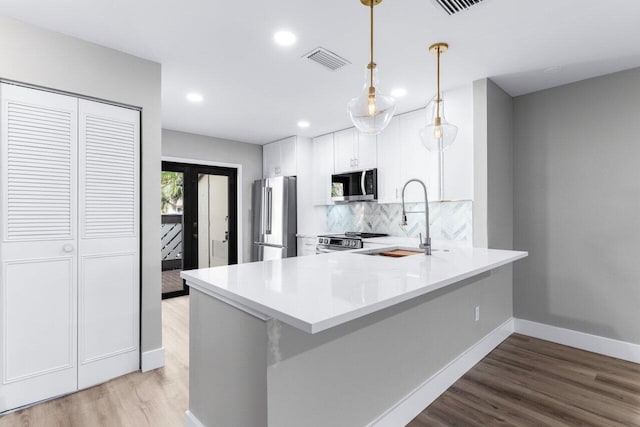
point(449, 220)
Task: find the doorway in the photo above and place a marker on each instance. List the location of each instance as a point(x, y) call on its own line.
point(199, 221)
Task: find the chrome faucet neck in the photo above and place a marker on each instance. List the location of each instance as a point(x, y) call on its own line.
point(426, 244)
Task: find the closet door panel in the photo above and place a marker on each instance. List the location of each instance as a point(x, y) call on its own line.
point(109, 281)
point(38, 314)
point(35, 345)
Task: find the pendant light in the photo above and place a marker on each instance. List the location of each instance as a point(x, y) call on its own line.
point(371, 112)
point(438, 134)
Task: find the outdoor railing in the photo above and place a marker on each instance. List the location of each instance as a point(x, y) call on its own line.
point(171, 233)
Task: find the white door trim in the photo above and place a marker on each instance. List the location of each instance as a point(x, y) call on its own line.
point(238, 168)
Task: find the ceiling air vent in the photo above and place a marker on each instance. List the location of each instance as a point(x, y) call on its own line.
point(326, 58)
point(456, 6)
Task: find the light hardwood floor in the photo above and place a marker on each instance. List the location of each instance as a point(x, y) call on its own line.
point(523, 382)
point(158, 398)
point(529, 382)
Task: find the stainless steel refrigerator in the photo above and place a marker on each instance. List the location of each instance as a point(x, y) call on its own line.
point(274, 218)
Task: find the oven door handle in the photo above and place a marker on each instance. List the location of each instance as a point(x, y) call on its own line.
point(323, 250)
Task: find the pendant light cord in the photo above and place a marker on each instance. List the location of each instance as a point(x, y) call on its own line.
point(438, 99)
point(371, 63)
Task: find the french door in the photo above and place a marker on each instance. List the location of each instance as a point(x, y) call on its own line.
point(205, 209)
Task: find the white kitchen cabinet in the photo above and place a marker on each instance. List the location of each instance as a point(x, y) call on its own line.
point(322, 168)
point(458, 158)
point(279, 158)
point(69, 297)
point(345, 144)
point(417, 161)
point(366, 154)
point(270, 160)
point(390, 174)
point(354, 151)
point(288, 156)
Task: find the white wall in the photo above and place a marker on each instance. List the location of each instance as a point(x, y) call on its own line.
point(40, 57)
point(205, 148)
point(577, 204)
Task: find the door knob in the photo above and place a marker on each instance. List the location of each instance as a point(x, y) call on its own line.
point(68, 248)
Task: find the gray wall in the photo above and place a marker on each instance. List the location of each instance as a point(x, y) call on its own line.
point(204, 148)
point(40, 57)
point(493, 166)
point(577, 206)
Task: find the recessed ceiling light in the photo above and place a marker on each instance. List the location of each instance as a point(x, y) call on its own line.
point(194, 97)
point(303, 124)
point(399, 92)
point(284, 38)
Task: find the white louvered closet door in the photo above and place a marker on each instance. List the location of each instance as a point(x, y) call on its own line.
point(108, 283)
point(38, 251)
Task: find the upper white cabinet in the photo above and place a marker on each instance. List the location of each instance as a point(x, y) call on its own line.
point(458, 158)
point(354, 151)
point(417, 161)
point(279, 158)
point(367, 155)
point(322, 167)
point(390, 163)
point(399, 155)
point(345, 144)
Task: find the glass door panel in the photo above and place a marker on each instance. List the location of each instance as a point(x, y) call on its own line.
point(172, 232)
point(213, 220)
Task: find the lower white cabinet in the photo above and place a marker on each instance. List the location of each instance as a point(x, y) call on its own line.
point(307, 245)
point(69, 252)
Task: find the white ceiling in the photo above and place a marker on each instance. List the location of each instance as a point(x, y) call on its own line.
point(256, 91)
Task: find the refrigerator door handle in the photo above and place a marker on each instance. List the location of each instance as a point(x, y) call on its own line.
point(262, 213)
point(269, 209)
point(362, 185)
point(268, 245)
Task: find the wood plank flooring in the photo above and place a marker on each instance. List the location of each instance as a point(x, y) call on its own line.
point(523, 382)
point(156, 399)
point(171, 281)
point(530, 382)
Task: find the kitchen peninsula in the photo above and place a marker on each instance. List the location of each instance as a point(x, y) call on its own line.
point(340, 339)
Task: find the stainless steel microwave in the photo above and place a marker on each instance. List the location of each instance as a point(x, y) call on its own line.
point(355, 186)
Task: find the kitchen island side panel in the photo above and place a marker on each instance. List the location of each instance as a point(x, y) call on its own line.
point(351, 374)
point(227, 364)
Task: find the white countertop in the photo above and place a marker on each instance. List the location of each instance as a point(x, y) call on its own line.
point(315, 293)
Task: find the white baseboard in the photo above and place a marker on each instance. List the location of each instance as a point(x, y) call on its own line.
point(152, 359)
point(594, 343)
point(415, 402)
point(191, 420)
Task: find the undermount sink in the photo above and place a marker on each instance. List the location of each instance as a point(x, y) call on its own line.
point(398, 252)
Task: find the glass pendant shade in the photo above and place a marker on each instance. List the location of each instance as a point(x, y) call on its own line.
point(372, 111)
point(438, 134)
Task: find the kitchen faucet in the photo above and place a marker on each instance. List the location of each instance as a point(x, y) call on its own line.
point(426, 245)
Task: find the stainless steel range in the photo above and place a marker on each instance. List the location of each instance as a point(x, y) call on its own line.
point(343, 242)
